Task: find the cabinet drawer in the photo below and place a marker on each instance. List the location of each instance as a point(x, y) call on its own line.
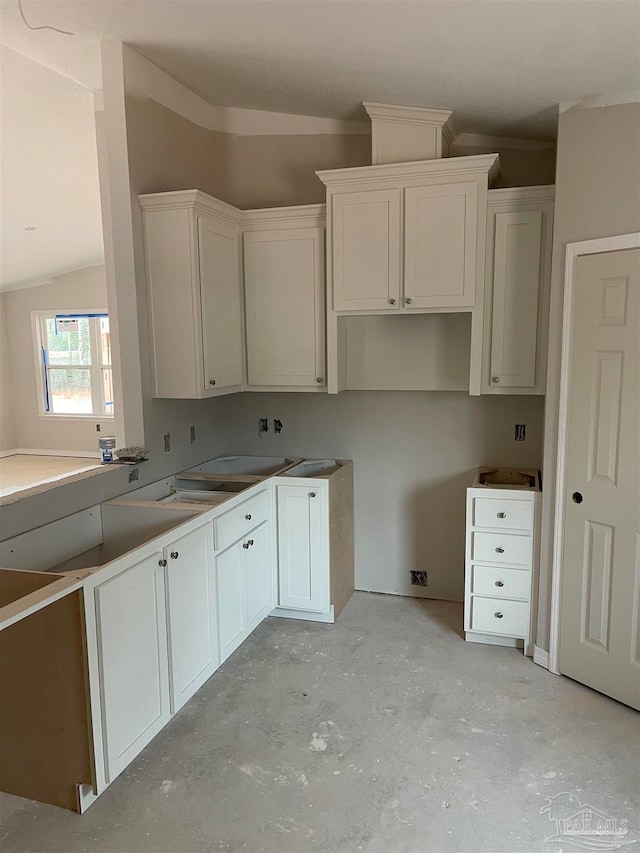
point(243, 518)
point(502, 513)
point(505, 548)
point(503, 583)
point(497, 616)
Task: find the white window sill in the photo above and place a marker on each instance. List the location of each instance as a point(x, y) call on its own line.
point(95, 418)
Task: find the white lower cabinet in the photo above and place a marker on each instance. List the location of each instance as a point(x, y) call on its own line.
point(192, 613)
point(132, 661)
point(243, 579)
point(302, 547)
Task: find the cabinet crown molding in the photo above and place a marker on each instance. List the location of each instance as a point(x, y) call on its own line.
point(190, 198)
point(450, 167)
point(400, 114)
point(534, 194)
point(300, 216)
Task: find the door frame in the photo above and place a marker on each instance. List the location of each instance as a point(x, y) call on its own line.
point(573, 252)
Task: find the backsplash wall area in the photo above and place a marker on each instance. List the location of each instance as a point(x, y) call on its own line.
point(413, 455)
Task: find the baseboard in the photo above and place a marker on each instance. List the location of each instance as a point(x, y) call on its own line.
point(541, 657)
point(27, 451)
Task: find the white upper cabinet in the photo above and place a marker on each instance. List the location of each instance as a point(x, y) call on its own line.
point(440, 245)
point(193, 293)
point(519, 235)
point(285, 298)
point(407, 236)
point(366, 250)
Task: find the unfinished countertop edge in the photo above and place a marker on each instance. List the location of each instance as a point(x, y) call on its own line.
point(49, 485)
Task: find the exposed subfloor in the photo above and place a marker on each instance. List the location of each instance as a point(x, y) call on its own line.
point(385, 732)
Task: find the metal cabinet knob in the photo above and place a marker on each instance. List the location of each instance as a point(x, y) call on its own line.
point(501, 514)
point(174, 555)
point(495, 379)
point(250, 541)
point(319, 380)
point(162, 563)
point(392, 302)
point(408, 300)
point(245, 545)
point(577, 498)
point(312, 494)
point(499, 583)
point(498, 615)
point(499, 550)
point(212, 382)
point(248, 516)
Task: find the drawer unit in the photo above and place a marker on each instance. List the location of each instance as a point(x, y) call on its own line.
point(501, 555)
point(496, 616)
point(232, 525)
point(503, 513)
point(503, 548)
point(500, 582)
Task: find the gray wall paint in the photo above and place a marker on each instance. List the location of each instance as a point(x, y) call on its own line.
point(7, 422)
point(413, 455)
point(597, 180)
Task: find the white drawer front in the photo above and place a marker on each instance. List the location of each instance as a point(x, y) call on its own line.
point(503, 513)
point(505, 583)
point(506, 548)
point(497, 616)
point(232, 525)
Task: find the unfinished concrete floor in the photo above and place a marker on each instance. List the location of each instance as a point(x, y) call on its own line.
point(385, 732)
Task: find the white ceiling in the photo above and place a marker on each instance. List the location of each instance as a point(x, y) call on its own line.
point(48, 174)
point(501, 65)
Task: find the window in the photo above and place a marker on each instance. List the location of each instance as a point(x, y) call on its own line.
point(74, 363)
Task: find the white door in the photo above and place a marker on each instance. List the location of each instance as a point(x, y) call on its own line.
point(599, 632)
point(366, 250)
point(259, 577)
point(302, 540)
point(440, 239)
point(192, 613)
point(220, 301)
point(132, 661)
point(517, 269)
point(284, 302)
point(231, 596)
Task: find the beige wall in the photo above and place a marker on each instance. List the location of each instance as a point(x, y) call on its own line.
point(597, 195)
point(7, 422)
point(519, 167)
point(80, 289)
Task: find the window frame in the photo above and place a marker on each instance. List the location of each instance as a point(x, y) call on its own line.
point(95, 368)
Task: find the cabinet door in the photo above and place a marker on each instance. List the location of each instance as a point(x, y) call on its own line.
point(259, 577)
point(440, 245)
point(232, 597)
point(516, 282)
point(192, 613)
point(132, 661)
point(284, 302)
point(220, 303)
point(302, 549)
point(366, 250)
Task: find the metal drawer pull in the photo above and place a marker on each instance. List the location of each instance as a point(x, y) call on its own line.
point(499, 583)
point(248, 516)
point(501, 514)
point(499, 550)
point(498, 615)
point(174, 555)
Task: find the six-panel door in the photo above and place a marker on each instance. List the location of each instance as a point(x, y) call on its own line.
point(440, 245)
point(284, 306)
point(366, 250)
point(132, 661)
point(220, 303)
point(192, 613)
point(301, 548)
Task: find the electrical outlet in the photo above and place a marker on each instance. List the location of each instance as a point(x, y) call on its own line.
point(133, 475)
point(277, 425)
point(520, 432)
point(263, 425)
point(97, 427)
point(418, 579)
point(167, 442)
point(192, 431)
